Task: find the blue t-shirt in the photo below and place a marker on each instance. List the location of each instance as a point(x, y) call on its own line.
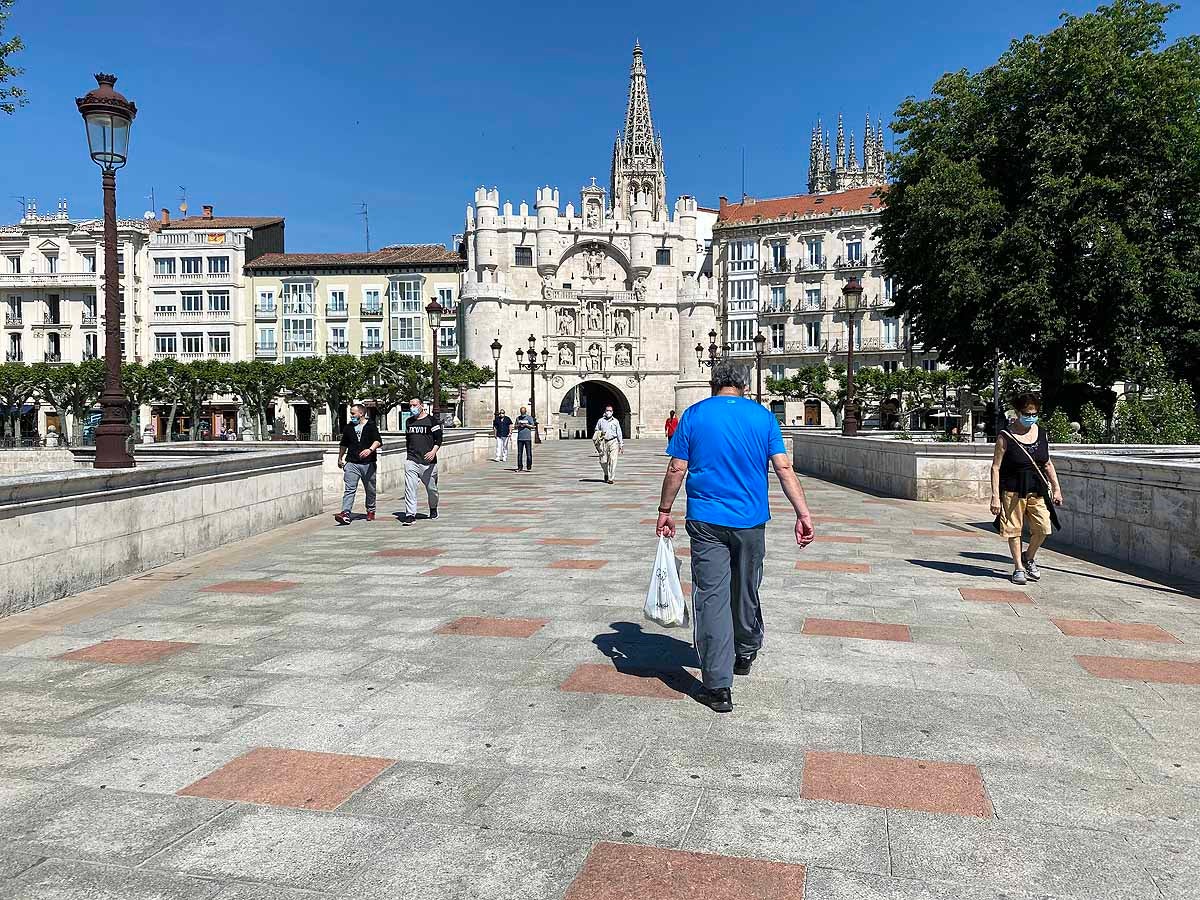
point(727, 442)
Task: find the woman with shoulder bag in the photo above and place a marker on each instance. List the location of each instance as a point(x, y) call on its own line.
point(1024, 487)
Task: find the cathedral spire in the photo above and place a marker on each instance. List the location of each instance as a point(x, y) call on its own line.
point(637, 159)
point(841, 144)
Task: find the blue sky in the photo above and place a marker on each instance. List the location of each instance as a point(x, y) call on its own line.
point(308, 108)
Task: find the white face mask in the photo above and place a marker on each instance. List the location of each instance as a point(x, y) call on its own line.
point(608, 414)
point(414, 410)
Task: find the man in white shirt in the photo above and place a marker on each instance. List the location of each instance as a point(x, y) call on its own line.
point(609, 443)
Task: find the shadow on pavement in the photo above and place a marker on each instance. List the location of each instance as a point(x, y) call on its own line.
point(957, 568)
point(1148, 584)
point(648, 655)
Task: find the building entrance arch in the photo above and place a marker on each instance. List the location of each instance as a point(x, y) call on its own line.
point(585, 403)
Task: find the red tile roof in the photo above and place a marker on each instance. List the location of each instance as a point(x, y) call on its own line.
point(217, 222)
point(401, 254)
point(800, 205)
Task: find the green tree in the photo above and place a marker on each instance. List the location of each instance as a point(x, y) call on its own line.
point(1058, 428)
point(459, 376)
point(814, 382)
point(1047, 204)
point(394, 378)
point(330, 381)
point(73, 388)
point(197, 383)
point(11, 96)
point(167, 374)
point(17, 387)
point(1162, 412)
point(143, 388)
point(257, 383)
point(1092, 424)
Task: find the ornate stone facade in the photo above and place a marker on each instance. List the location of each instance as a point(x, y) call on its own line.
point(618, 292)
point(844, 172)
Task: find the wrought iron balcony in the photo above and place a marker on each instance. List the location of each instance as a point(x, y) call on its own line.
point(371, 311)
point(337, 347)
point(372, 347)
point(336, 311)
point(266, 350)
point(13, 320)
point(14, 356)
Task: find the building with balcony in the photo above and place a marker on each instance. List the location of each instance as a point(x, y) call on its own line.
point(616, 289)
point(781, 265)
point(312, 304)
point(52, 290)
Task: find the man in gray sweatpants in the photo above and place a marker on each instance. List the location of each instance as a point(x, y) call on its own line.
point(722, 447)
point(423, 437)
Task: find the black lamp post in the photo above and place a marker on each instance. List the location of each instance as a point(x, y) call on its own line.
point(852, 294)
point(533, 366)
point(108, 116)
point(496, 348)
point(711, 360)
point(434, 311)
point(760, 347)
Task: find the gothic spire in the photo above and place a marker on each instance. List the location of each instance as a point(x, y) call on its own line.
point(868, 145)
point(639, 127)
point(841, 144)
point(852, 160)
point(637, 158)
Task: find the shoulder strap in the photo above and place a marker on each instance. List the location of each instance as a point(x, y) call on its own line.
point(1036, 467)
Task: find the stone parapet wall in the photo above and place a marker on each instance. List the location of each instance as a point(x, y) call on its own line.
point(31, 462)
point(66, 532)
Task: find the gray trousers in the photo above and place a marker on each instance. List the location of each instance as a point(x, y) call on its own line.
point(415, 474)
point(352, 475)
point(727, 569)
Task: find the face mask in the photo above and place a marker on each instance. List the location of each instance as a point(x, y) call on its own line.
point(354, 420)
point(414, 409)
point(1028, 420)
point(608, 414)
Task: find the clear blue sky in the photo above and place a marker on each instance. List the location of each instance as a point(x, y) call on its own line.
point(307, 108)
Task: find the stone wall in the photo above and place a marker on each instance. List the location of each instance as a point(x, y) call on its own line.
point(29, 462)
point(65, 532)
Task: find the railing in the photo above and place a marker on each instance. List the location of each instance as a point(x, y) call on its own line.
point(863, 262)
point(372, 347)
point(52, 319)
point(337, 310)
point(89, 354)
point(447, 349)
point(219, 313)
point(13, 320)
point(170, 277)
point(89, 320)
point(337, 347)
point(193, 355)
point(770, 267)
point(408, 345)
point(774, 308)
point(10, 356)
point(299, 307)
point(197, 238)
point(372, 310)
point(299, 346)
point(265, 311)
point(266, 350)
point(47, 278)
point(587, 294)
point(52, 357)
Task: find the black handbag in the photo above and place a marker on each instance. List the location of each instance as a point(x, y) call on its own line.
point(1047, 496)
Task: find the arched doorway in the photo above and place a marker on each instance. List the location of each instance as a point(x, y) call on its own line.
point(586, 401)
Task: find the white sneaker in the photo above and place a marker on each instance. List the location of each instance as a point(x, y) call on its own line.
point(1018, 577)
point(1031, 569)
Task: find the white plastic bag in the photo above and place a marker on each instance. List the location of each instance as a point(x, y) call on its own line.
point(665, 603)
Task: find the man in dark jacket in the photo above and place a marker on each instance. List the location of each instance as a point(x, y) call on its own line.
point(423, 438)
point(357, 456)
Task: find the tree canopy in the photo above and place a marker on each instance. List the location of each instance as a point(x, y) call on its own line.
point(1049, 204)
point(11, 95)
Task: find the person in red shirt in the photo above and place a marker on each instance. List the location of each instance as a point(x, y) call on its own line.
point(671, 424)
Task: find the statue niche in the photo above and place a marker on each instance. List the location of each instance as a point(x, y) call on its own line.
point(624, 356)
point(595, 317)
point(566, 356)
point(621, 323)
point(595, 360)
point(566, 321)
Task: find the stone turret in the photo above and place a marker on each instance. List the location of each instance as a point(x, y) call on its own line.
point(547, 230)
point(685, 215)
point(487, 237)
point(641, 243)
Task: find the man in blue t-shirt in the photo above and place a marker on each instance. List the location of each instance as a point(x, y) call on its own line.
point(722, 447)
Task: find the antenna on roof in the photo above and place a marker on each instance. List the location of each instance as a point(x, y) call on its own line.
point(183, 200)
point(366, 224)
point(153, 205)
point(743, 174)
point(24, 201)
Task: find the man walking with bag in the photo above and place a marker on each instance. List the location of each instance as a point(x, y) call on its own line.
point(722, 447)
point(502, 429)
point(357, 459)
point(610, 442)
point(423, 439)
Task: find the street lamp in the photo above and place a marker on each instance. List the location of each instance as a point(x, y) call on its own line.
point(712, 351)
point(107, 116)
point(760, 347)
point(434, 312)
point(852, 295)
point(496, 348)
point(533, 366)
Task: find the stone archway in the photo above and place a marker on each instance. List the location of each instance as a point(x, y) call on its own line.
point(589, 398)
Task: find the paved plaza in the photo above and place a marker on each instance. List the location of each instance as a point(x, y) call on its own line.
point(475, 708)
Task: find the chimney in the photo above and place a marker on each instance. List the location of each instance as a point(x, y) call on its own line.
point(166, 216)
point(724, 203)
point(206, 212)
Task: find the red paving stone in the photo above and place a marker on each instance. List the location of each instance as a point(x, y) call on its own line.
point(841, 520)
point(895, 783)
point(570, 542)
point(296, 778)
point(468, 571)
point(838, 539)
point(820, 565)
point(1118, 631)
point(875, 631)
point(634, 872)
point(579, 564)
point(122, 652)
point(499, 529)
point(601, 678)
point(1159, 671)
point(262, 586)
point(941, 533)
point(482, 626)
point(410, 552)
point(993, 595)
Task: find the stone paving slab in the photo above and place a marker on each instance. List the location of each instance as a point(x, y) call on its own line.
point(529, 731)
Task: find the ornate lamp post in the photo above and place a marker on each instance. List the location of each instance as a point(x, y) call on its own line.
point(533, 366)
point(760, 347)
point(852, 294)
point(496, 348)
point(711, 360)
point(434, 312)
point(107, 116)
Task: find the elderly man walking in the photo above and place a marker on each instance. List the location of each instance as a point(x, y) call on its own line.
point(722, 447)
point(423, 439)
point(610, 442)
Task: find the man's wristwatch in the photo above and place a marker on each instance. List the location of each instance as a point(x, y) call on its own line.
point(665, 512)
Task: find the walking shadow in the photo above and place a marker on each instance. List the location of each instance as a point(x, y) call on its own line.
point(592, 481)
point(953, 568)
point(645, 654)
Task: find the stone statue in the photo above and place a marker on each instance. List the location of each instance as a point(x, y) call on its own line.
point(566, 321)
point(547, 286)
point(593, 216)
point(595, 358)
point(639, 290)
point(621, 324)
point(595, 318)
point(566, 356)
point(594, 262)
point(624, 356)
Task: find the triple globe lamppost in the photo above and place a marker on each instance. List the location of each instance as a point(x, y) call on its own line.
point(532, 367)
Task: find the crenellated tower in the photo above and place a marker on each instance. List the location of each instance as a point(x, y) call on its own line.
point(637, 164)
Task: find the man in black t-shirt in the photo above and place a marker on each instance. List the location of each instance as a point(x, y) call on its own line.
point(502, 429)
point(423, 440)
point(357, 455)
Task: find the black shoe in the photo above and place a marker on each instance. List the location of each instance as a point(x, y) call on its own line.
point(407, 520)
point(742, 664)
point(433, 513)
point(718, 699)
